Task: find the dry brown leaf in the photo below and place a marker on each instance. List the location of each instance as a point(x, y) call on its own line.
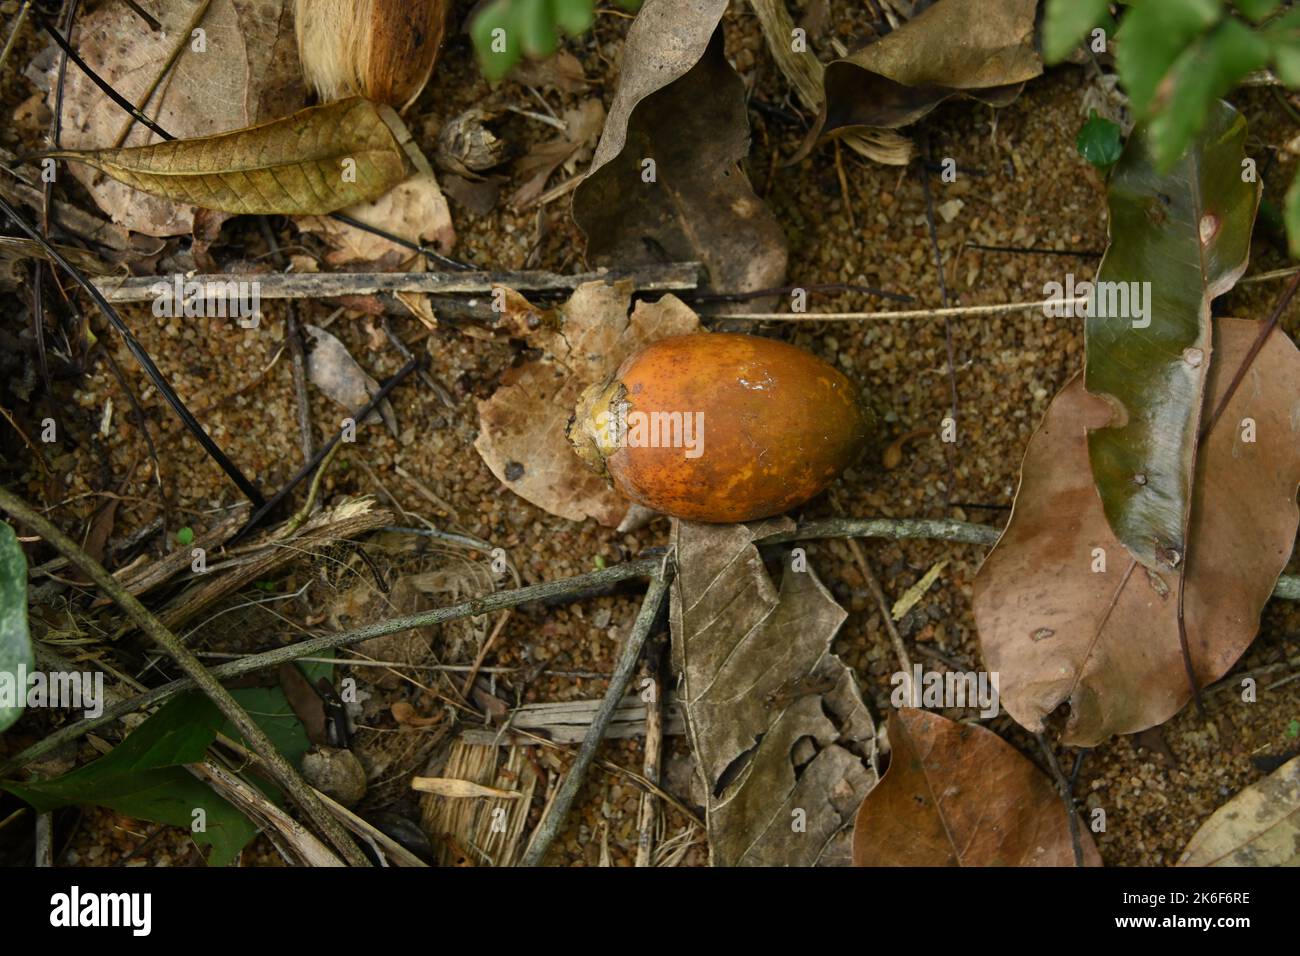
point(958, 795)
point(521, 427)
point(776, 722)
point(1107, 641)
point(562, 72)
point(414, 210)
point(680, 104)
point(247, 73)
point(582, 124)
point(982, 48)
point(332, 369)
point(1260, 826)
point(315, 161)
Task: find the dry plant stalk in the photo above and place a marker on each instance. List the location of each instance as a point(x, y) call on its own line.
point(484, 829)
point(383, 50)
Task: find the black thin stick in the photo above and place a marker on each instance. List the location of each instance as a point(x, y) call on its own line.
point(249, 489)
point(310, 466)
point(99, 81)
point(1036, 250)
point(1066, 789)
point(107, 89)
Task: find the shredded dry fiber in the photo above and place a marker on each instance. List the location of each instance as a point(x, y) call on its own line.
point(381, 49)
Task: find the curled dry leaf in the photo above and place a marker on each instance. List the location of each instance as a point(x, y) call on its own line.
point(332, 369)
point(414, 210)
point(980, 48)
point(958, 795)
point(522, 426)
point(665, 184)
point(776, 721)
point(315, 161)
point(247, 72)
point(804, 72)
point(1065, 613)
point(582, 125)
point(1177, 240)
point(1258, 827)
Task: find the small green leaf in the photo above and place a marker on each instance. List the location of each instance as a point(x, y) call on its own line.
point(574, 16)
point(1293, 729)
point(185, 536)
point(1099, 141)
point(535, 20)
point(1291, 215)
point(1151, 37)
point(1206, 71)
point(1287, 61)
point(15, 641)
point(1066, 22)
point(271, 711)
point(497, 51)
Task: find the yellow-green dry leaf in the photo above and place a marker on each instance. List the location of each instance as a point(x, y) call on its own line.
point(311, 162)
point(917, 591)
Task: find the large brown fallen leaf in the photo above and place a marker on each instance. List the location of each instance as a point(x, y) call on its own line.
point(958, 795)
point(1258, 827)
point(776, 722)
point(980, 48)
point(247, 73)
point(1107, 641)
point(315, 161)
point(680, 104)
point(522, 426)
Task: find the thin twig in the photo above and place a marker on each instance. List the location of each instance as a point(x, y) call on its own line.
point(554, 819)
point(1066, 790)
point(279, 767)
point(999, 308)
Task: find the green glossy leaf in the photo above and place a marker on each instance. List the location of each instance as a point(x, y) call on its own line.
point(271, 711)
point(574, 16)
point(1066, 23)
point(1151, 37)
point(1291, 215)
point(143, 777)
point(1177, 240)
point(1206, 71)
point(1099, 141)
point(15, 641)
